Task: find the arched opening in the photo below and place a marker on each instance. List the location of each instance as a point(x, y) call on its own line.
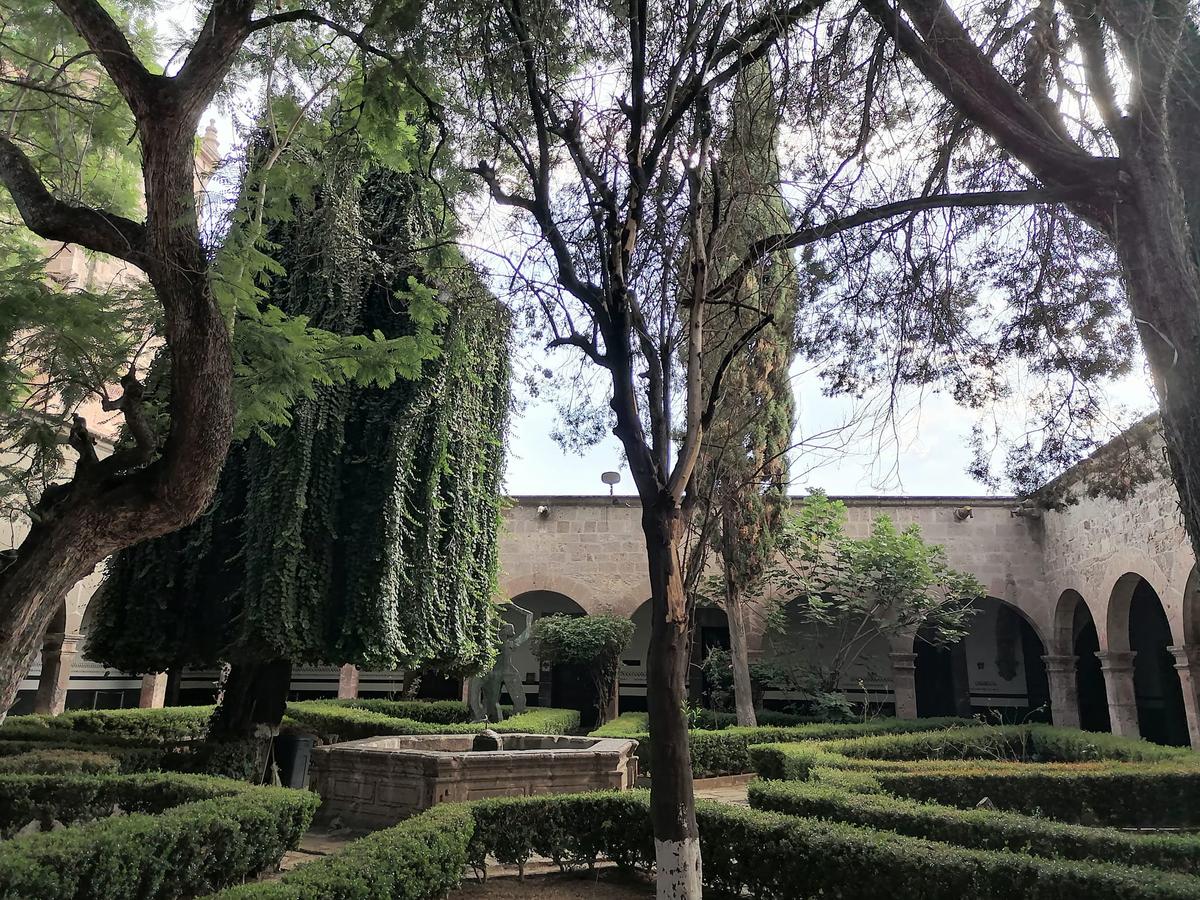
point(710, 630)
point(547, 685)
point(1084, 642)
point(1161, 715)
point(809, 661)
point(996, 670)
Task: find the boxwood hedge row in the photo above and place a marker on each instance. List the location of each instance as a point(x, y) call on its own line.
point(198, 846)
point(746, 852)
point(1084, 778)
point(979, 828)
point(726, 751)
point(348, 723)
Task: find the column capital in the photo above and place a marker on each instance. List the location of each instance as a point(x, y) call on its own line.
point(901, 660)
point(1116, 660)
point(1187, 656)
point(1060, 662)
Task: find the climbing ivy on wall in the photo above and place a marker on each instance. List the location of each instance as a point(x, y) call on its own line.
point(366, 531)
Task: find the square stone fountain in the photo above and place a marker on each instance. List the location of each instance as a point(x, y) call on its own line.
point(376, 782)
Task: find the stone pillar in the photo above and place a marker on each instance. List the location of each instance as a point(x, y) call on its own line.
point(904, 684)
point(1117, 666)
point(154, 691)
point(1187, 665)
point(58, 655)
point(1064, 689)
point(348, 682)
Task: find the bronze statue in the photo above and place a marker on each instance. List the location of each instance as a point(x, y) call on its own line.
point(483, 691)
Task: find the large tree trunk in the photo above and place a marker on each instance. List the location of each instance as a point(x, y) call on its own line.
point(117, 502)
point(739, 654)
point(1158, 257)
point(672, 804)
point(253, 700)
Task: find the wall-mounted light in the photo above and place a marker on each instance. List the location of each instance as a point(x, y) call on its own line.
point(611, 479)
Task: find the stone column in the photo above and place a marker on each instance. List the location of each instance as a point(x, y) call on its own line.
point(1117, 666)
point(904, 684)
point(58, 655)
point(1187, 665)
point(154, 691)
point(348, 682)
point(1064, 689)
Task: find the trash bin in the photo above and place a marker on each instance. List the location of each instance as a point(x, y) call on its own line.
point(292, 754)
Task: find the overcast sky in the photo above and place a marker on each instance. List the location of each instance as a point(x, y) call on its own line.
point(925, 453)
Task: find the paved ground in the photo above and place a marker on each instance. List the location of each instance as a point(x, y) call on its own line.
point(731, 789)
point(606, 883)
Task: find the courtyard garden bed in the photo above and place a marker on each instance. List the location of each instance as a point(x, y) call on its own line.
point(150, 837)
point(1062, 774)
point(762, 854)
point(726, 751)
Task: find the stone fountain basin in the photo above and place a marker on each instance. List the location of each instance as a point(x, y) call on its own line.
point(376, 782)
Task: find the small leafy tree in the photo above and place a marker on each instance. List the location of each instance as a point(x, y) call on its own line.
point(889, 583)
point(594, 643)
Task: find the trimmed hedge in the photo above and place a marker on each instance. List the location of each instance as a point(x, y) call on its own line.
point(746, 852)
point(727, 751)
point(70, 799)
point(420, 859)
point(184, 850)
point(1102, 780)
point(978, 828)
point(446, 712)
point(59, 761)
point(349, 723)
point(168, 725)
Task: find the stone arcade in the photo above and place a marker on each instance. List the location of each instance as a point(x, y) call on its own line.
point(1092, 613)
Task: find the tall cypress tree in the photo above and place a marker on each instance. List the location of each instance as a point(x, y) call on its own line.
point(366, 531)
point(742, 477)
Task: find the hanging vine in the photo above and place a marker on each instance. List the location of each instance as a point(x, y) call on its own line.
point(365, 531)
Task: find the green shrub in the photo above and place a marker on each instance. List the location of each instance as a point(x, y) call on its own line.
point(727, 751)
point(1121, 794)
point(182, 851)
point(145, 726)
point(348, 723)
point(1099, 779)
point(75, 797)
point(981, 829)
point(746, 852)
point(58, 761)
point(446, 712)
point(1036, 743)
point(420, 859)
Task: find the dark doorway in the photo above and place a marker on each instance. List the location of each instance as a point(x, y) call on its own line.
point(1093, 700)
point(941, 679)
point(1161, 716)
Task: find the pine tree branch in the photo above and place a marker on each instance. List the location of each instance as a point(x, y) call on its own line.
point(764, 247)
point(54, 220)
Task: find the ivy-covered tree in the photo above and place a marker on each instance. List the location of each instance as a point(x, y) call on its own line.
point(594, 643)
point(89, 71)
point(742, 476)
point(365, 532)
point(856, 590)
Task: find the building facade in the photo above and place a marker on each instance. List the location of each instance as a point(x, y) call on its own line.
point(1091, 616)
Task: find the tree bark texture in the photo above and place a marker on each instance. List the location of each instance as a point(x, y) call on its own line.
point(253, 702)
point(672, 804)
point(142, 491)
point(739, 655)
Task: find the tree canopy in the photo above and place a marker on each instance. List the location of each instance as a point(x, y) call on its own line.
point(365, 530)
